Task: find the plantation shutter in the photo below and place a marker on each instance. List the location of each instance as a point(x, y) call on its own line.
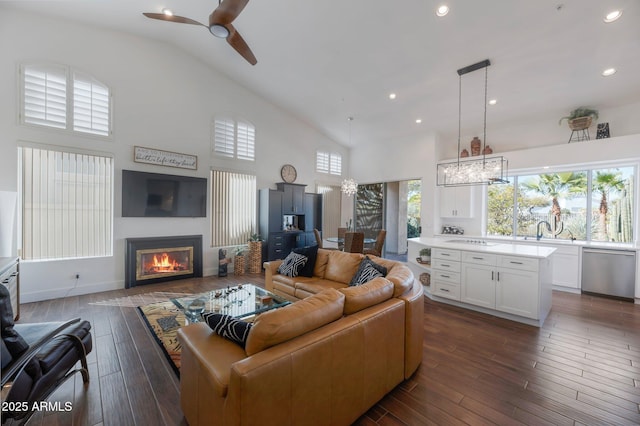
point(335, 166)
point(224, 136)
point(90, 106)
point(246, 136)
point(45, 96)
point(322, 162)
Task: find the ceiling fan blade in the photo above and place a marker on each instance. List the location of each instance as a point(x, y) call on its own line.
point(172, 18)
point(227, 12)
point(237, 42)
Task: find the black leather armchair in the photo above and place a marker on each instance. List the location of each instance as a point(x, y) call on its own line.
point(37, 358)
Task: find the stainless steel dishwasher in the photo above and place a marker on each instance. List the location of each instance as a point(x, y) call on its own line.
point(609, 272)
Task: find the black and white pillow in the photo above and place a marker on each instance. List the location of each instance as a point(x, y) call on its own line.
point(292, 264)
point(367, 271)
point(228, 327)
point(312, 253)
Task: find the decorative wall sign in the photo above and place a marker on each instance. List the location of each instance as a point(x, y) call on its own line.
point(603, 131)
point(164, 158)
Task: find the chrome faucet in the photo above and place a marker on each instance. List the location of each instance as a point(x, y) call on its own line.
point(538, 231)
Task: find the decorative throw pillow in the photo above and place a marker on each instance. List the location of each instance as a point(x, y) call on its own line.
point(292, 264)
point(228, 327)
point(367, 271)
point(312, 253)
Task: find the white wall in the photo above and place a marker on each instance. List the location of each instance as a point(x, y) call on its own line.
point(163, 98)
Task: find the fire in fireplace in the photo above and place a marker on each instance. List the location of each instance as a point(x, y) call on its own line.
point(151, 260)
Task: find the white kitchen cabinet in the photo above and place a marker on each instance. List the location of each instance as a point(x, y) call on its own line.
point(456, 201)
point(478, 285)
point(445, 275)
point(566, 267)
point(517, 292)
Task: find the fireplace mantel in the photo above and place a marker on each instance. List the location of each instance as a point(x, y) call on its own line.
point(179, 257)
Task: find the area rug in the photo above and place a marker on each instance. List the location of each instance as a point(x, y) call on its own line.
point(164, 319)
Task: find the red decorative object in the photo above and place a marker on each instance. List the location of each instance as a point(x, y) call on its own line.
point(487, 150)
point(464, 153)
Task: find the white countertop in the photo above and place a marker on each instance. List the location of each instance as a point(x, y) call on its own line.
point(547, 241)
point(494, 247)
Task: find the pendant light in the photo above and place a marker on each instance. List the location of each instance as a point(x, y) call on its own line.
point(349, 186)
point(482, 171)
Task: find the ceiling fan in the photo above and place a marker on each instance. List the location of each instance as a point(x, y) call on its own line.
point(219, 25)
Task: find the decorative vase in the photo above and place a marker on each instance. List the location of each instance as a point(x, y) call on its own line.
point(487, 150)
point(464, 153)
point(476, 145)
point(238, 265)
point(255, 257)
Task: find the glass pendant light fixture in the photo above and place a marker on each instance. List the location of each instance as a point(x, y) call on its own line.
point(481, 171)
point(349, 186)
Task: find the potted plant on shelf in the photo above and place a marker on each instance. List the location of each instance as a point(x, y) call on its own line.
point(580, 118)
point(255, 254)
point(425, 255)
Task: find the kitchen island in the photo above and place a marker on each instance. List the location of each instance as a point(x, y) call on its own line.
point(510, 281)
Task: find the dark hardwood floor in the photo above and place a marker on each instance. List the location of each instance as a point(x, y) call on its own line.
point(581, 368)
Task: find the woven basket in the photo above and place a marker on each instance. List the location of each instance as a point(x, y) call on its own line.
point(580, 123)
point(425, 279)
point(255, 257)
point(238, 265)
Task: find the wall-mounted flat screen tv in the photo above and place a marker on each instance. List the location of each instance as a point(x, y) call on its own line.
point(159, 195)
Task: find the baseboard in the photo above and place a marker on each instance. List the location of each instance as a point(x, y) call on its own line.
point(37, 296)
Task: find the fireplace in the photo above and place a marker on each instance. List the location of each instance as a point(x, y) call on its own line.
point(157, 259)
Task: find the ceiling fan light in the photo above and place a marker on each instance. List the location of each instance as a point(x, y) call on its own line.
point(219, 31)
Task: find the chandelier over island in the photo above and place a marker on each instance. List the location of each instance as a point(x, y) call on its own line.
point(473, 171)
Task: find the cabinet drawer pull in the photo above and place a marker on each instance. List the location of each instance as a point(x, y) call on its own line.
point(445, 276)
point(492, 272)
point(477, 258)
point(445, 254)
point(445, 265)
point(445, 289)
point(498, 276)
point(516, 263)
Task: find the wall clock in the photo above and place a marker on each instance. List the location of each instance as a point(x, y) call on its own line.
point(288, 173)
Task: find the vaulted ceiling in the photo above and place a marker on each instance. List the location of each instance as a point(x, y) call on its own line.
point(328, 60)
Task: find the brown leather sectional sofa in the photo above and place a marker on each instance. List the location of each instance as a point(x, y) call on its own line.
point(323, 360)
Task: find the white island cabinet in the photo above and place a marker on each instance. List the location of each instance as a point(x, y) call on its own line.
point(506, 280)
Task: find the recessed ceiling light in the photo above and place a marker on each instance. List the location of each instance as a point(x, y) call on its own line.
point(419, 120)
point(392, 95)
point(167, 12)
point(442, 10)
point(493, 101)
point(612, 16)
point(608, 72)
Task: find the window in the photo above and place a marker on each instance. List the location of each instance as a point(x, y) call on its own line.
point(233, 138)
point(233, 208)
point(329, 162)
point(590, 205)
point(46, 101)
point(67, 204)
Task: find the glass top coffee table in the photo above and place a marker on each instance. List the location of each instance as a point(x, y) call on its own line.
point(241, 301)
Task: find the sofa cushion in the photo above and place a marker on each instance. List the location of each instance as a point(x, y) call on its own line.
point(292, 264)
point(321, 262)
point(367, 271)
point(361, 297)
point(280, 325)
point(311, 252)
point(228, 327)
point(341, 266)
point(318, 285)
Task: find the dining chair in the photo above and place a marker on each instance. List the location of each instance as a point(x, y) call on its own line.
point(376, 250)
point(319, 241)
point(354, 242)
point(341, 232)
